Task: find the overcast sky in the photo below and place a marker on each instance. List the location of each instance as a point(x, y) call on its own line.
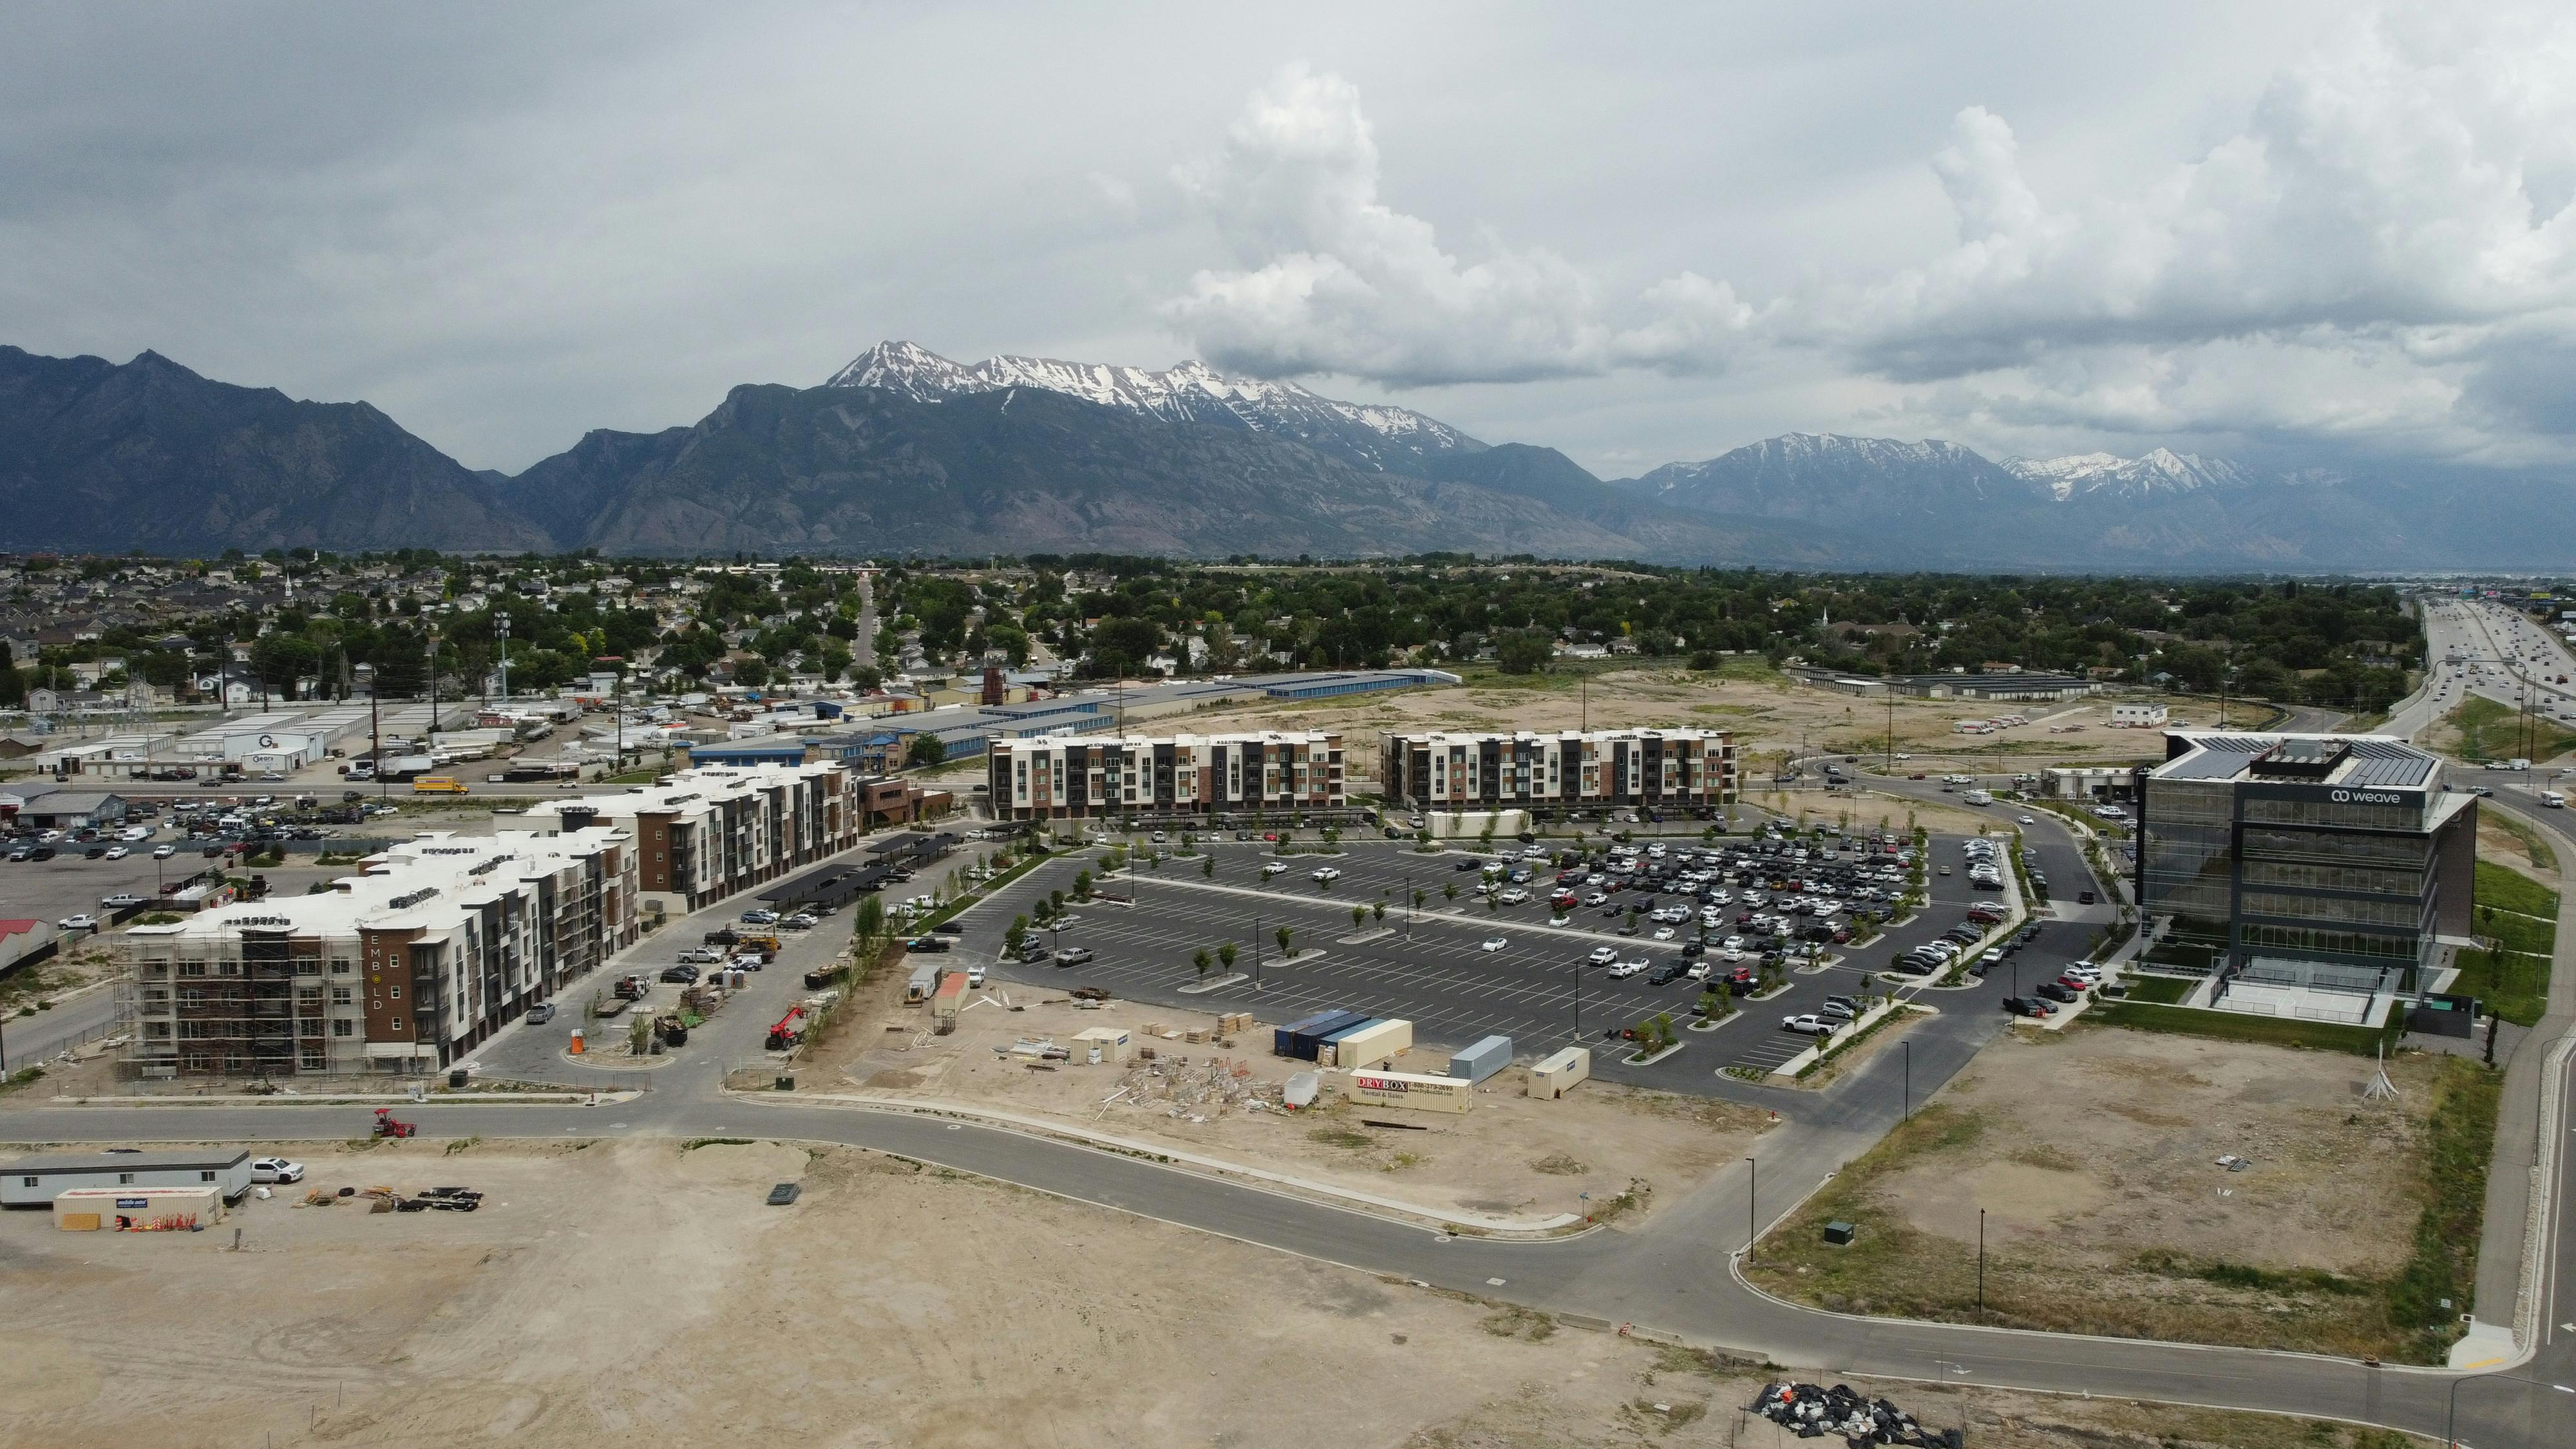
point(2291, 232)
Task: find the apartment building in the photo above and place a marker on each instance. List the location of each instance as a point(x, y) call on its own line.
point(2332, 862)
point(704, 834)
point(1573, 770)
point(403, 967)
point(1071, 777)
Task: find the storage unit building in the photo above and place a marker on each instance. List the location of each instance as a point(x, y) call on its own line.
point(1560, 1073)
point(1372, 1041)
point(1483, 1059)
point(37, 1181)
point(1305, 1039)
point(148, 1209)
point(1420, 1092)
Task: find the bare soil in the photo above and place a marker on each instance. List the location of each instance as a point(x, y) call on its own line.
point(1510, 1155)
point(639, 1293)
point(2089, 1161)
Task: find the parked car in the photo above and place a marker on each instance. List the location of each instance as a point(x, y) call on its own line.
point(1626, 969)
point(2056, 991)
point(80, 921)
point(1493, 943)
point(975, 975)
point(1668, 973)
point(275, 1169)
point(1808, 1024)
point(927, 943)
point(541, 1013)
point(683, 975)
point(1072, 956)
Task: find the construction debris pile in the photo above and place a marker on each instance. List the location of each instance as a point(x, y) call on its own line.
point(1196, 1091)
point(1811, 1411)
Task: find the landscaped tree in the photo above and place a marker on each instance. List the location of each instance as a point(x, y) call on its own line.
point(924, 751)
point(1201, 961)
point(1284, 935)
point(1056, 899)
point(1449, 891)
point(1419, 896)
point(1017, 936)
point(1379, 911)
point(1225, 953)
point(1708, 1006)
point(867, 924)
point(1663, 1025)
point(1207, 866)
point(1082, 885)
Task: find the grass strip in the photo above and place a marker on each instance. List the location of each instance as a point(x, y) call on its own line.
point(2520, 915)
point(2158, 990)
point(2326, 1036)
point(2460, 1142)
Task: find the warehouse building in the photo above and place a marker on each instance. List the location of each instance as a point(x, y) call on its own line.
point(710, 833)
point(1573, 770)
point(402, 968)
point(2309, 875)
point(1176, 777)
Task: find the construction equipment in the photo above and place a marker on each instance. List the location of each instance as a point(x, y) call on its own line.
point(670, 1031)
point(388, 1126)
point(789, 1031)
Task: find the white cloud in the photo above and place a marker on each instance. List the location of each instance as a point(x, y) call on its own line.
point(2380, 254)
point(1337, 281)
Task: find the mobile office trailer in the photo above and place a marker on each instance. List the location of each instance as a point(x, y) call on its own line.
point(37, 1181)
point(925, 980)
point(1560, 1073)
point(1373, 1041)
point(1095, 1045)
point(1483, 1059)
point(1415, 1090)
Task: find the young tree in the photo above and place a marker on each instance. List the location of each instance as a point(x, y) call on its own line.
point(1201, 961)
point(1082, 885)
point(1284, 935)
point(1449, 891)
point(1419, 896)
point(1016, 937)
point(1226, 953)
point(1379, 911)
point(1207, 866)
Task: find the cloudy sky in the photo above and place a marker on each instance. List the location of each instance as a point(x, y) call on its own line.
point(2291, 232)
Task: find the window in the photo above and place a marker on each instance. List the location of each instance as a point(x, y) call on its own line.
point(397, 1023)
point(205, 1177)
point(124, 1177)
point(341, 996)
point(394, 992)
point(344, 1027)
point(27, 1182)
point(340, 966)
point(311, 1059)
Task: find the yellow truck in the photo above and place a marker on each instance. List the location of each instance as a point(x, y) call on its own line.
point(438, 785)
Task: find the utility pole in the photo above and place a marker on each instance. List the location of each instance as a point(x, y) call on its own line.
point(502, 625)
point(1752, 1192)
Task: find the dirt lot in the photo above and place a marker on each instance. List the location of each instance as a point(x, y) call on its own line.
point(1508, 1156)
point(638, 1293)
point(2092, 1155)
point(1768, 713)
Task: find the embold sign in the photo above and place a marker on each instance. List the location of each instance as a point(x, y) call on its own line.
point(2366, 797)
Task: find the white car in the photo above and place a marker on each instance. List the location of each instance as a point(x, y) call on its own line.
point(1274, 868)
point(118, 852)
point(1810, 1025)
point(1493, 943)
point(2026, 820)
point(81, 922)
point(1663, 933)
point(1603, 955)
point(1514, 896)
point(164, 852)
point(974, 975)
point(1324, 873)
point(1626, 969)
point(275, 1169)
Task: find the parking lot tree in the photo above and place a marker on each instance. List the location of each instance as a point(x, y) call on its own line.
point(1379, 911)
point(1225, 954)
point(1207, 866)
point(1419, 896)
point(1284, 935)
point(1082, 885)
point(1332, 836)
point(1042, 910)
point(1449, 891)
point(1358, 914)
point(1201, 961)
point(1056, 899)
point(1016, 937)
point(867, 923)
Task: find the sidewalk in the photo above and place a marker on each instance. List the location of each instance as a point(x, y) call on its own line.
point(2510, 1250)
point(1480, 1224)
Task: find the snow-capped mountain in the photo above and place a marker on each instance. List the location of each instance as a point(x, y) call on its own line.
point(1802, 475)
point(2163, 470)
point(1389, 439)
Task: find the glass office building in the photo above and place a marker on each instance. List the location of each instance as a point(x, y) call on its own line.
point(2330, 861)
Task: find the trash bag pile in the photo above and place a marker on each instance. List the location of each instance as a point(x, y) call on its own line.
point(1812, 1411)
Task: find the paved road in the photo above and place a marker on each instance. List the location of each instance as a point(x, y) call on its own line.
point(1674, 1273)
point(25, 1040)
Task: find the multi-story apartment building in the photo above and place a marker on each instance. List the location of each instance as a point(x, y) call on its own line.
point(709, 833)
point(1071, 777)
point(1573, 770)
point(402, 967)
point(2328, 861)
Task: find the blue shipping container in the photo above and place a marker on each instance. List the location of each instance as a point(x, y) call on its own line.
point(1283, 1039)
point(1483, 1059)
point(1308, 1045)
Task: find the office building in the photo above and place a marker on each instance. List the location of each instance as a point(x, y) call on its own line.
point(1572, 770)
point(2325, 863)
point(1078, 777)
point(704, 834)
point(403, 967)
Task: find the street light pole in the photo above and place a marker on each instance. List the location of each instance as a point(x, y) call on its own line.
point(1752, 1192)
point(1981, 1262)
point(1908, 1114)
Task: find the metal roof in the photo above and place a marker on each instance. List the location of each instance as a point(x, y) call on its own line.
point(199, 1159)
point(2371, 761)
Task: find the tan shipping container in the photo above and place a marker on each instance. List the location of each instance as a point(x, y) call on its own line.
point(138, 1207)
point(1114, 1043)
point(1560, 1073)
point(1409, 1089)
point(1374, 1044)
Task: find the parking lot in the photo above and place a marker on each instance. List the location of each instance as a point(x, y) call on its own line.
point(1433, 966)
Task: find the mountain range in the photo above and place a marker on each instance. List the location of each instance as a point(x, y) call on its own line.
point(907, 452)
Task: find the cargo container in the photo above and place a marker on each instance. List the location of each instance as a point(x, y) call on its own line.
point(1560, 1073)
point(1409, 1089)
point(36, 1181)
point(1376, 1041)
point(139, 1209)
point(1304, 1040)
point(946, 1000)
point(1103, 1045)
point(1483, 1059)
